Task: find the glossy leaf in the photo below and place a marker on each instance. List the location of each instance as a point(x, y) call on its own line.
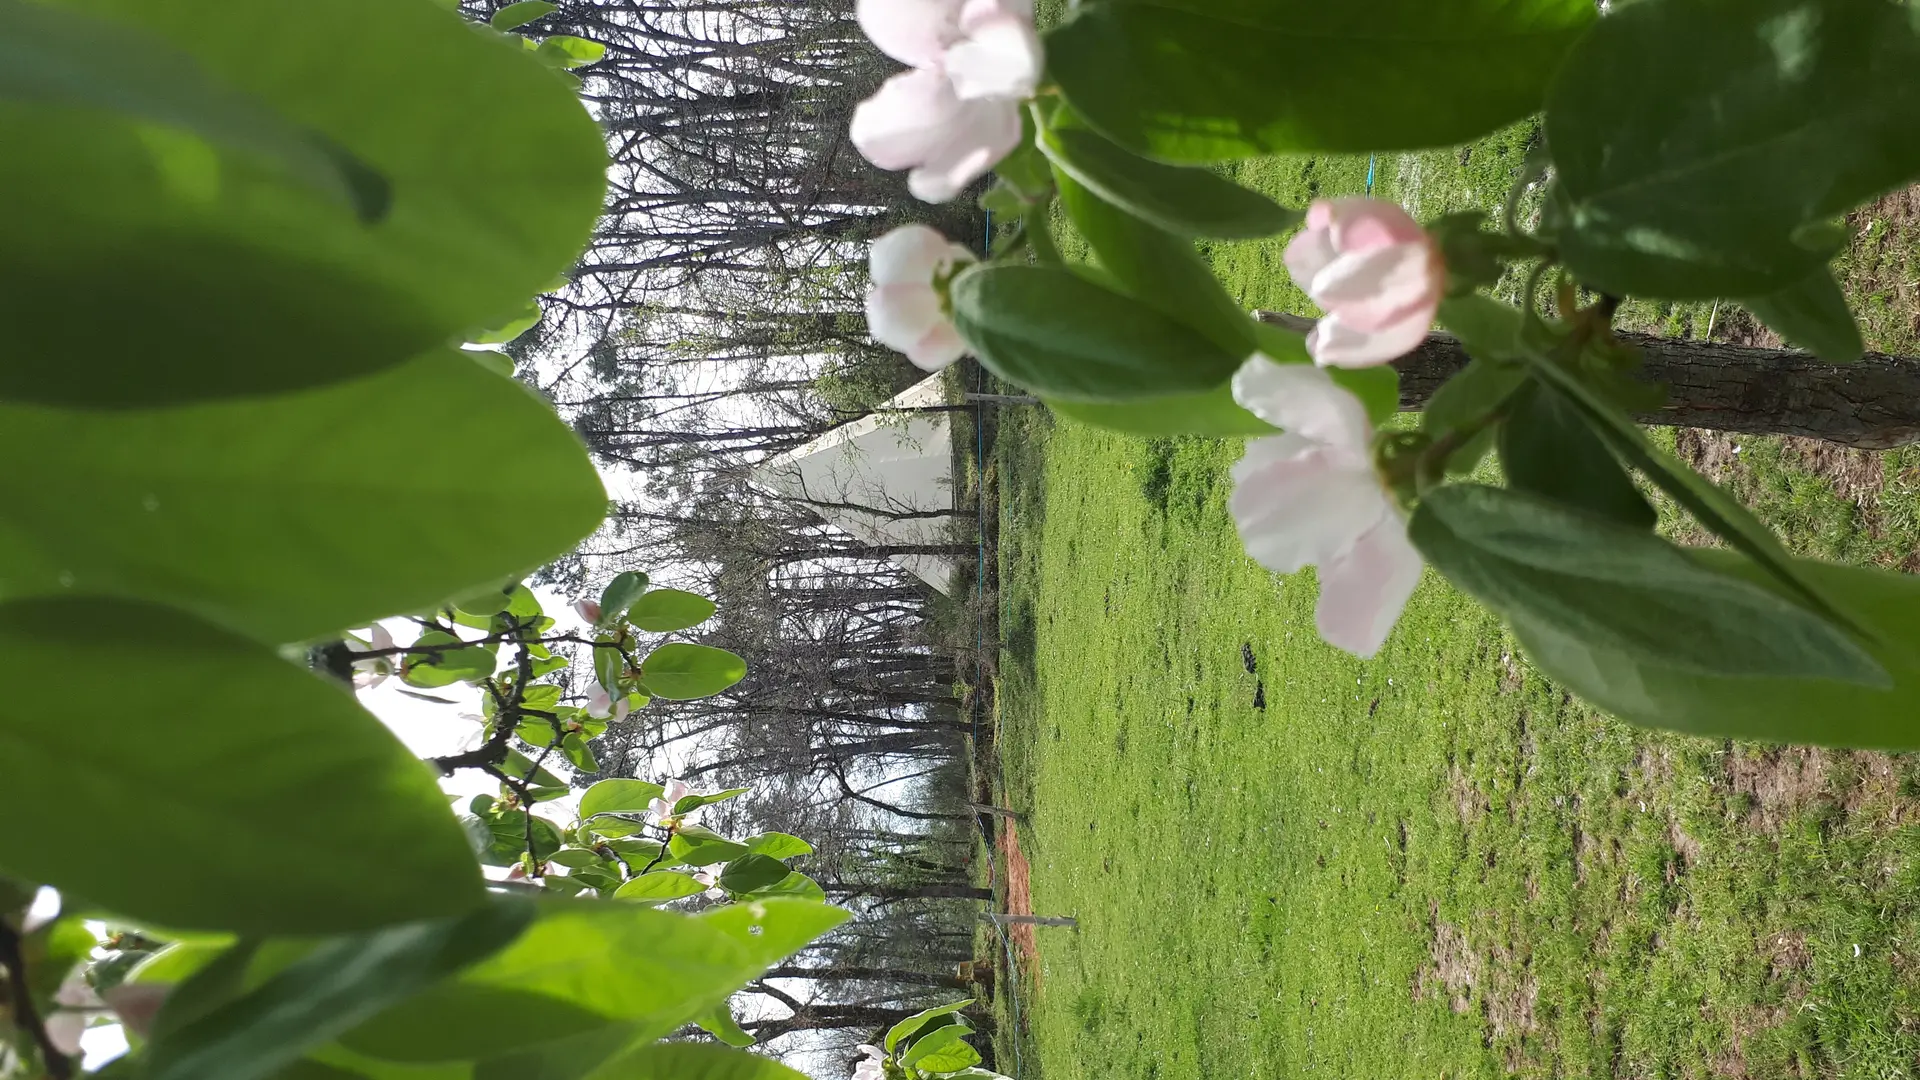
point(689, 803)
point(1623, 589)
point(721, 1025)
point(518, 14)
point(1711, 506)
point(1695, 141)
point(160, 227)
point(750, 872)
point(942, 1050)
point(631, 971)
point(1762, 708)
point(1182, 200)
point(1064, 337)
point(334, 515)
point(1546, 448)
point(1812, 314)
point(798, 885)
point(433, 667)
point(620, 594)
point(1207, 80)
point(336, 986)
point(684, 672)
point(698, 846)
point(619, 797)
point(908, 1028)
point(658, 887)
point(1159, 269)
point(569, 51)
point(1213, 412)
point(51, 56)
point(608, 664)
point(778, 845)
point(240, 847)
point(666, 610)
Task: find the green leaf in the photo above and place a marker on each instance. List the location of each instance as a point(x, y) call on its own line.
point(570, 52)
point(112, 212)
point(1181, 200)
point(336, 986)
point(697, 846)
point(663, 611)
point(516, 15)
point(1213, 412)
point(1487, 328)
point(689, 803)
point(684, 672)
point(239, 847)
point(630, 971)
point(577, 858)
point(1546, 448)
point(608, 664)
point(444, 667)
point(658, 887)
point(619, 797)
point(619, 595)
point(1720, 512)
point(54, 57)
point(1812, 314)
point(778, 845)
point(1159, 269)
point(721, 1025)
point(578, 753)
point(1623, 589)
point(1207, 80)
point(944, 1050)
point(527, 318)
point(695, 1061)
point(290, 517)
point(1762, 708)
point(751, 872)
point(1694, 141)
point(911, 1026)
point(1060, 335)
point(796, 884)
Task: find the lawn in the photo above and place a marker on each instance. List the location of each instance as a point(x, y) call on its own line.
point(1286, 862)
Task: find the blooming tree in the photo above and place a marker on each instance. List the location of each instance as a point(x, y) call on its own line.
point(1693, 149)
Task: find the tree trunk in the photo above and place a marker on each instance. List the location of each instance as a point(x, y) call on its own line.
point(1873, 404)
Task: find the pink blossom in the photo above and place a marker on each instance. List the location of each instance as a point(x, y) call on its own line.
point(587, 610)
point(957, 113)
point(374, 670)
point(906, 309)
point(1310, 497)
point(674, 791)
point(602, 706)
point(1375, 272)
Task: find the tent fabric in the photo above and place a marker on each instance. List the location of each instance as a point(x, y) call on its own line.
point(860, 476)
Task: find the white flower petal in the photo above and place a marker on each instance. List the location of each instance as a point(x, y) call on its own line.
point(909, 255)
point(64, 1029)
point(940, 346)
point(1000, 57)
point(1297, 507)
point(1363, 591)
point(74, 993)
point(1308, 253)
point(1333, 343)
point(136, 1004)
point(1378, 287)
point(900, 316)
point(982, 132)
point(914, 32)
point(1306, 401)
point(906, 120)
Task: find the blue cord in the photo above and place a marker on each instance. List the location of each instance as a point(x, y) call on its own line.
point(1370, 161)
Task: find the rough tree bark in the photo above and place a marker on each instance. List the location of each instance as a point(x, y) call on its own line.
point(1873, 404)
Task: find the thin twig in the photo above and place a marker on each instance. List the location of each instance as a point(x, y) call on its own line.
point(59, 1066)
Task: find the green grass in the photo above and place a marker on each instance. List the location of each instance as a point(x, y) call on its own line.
point(1434, 864)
